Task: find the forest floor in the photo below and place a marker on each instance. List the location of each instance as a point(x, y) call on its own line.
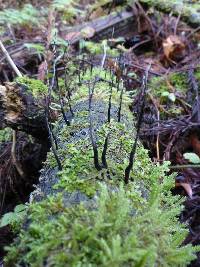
point(171, 47)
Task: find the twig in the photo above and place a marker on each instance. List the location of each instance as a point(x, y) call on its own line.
point(139, 123)
point(177, 21)
point(158, 120)
point(194, 31)
point(104, 55)
point(9, 59)
point(139, 44)
point(185, 166)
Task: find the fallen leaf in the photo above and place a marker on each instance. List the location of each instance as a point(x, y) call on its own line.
point(173, 48)
point(115, 67)
point(192, 157)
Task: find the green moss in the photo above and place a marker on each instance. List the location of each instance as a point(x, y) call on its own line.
point(197, 74)
point(27, 16)
point(123, 226)
point(5, 135)
point(177, 83)
point(168, 90)
point(68, 10)
point(98, 48)
point(36, 87)
point(120, 228)
point(189, 12)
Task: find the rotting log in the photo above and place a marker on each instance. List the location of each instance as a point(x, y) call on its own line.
point(116, 24)
point(190, 12)
point(19, 110)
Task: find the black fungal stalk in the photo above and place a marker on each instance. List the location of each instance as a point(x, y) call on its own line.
point(52, 145)
point(94, 145)
point(120, 106)
point(52, 137)
point(103, 157)
point(120, 67)
point(67, 86)
point(60, 99)
point(48, 102)
point(110, 100)
point(105, 147)
point(139, 123)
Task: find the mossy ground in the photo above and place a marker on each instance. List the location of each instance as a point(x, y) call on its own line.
point(171, 92)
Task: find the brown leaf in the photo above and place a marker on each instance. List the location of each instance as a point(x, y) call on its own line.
point(115, 67)
point(173, 48)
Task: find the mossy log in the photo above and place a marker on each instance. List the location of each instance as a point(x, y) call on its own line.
point(86, 216)
point(124, 24)
point(189, 10)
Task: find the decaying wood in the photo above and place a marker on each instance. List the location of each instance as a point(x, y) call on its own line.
point(13, 150)
point(20, 111)
point(113, 25)
point(187, 11)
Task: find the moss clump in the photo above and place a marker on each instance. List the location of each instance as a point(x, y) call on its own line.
point(176, 82)
point(190, 12)
point(119, 228)
point(27, 16)
point(36, 87)
point(98, 48)
point(168, 90)
point(5, 135)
